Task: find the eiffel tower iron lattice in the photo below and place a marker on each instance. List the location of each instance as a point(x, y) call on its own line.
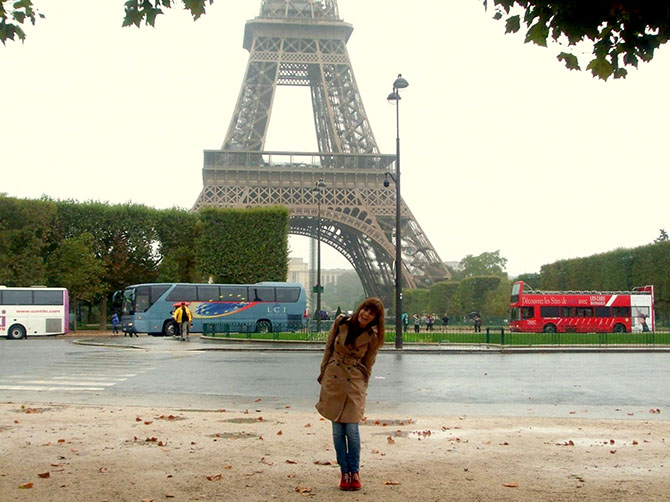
point(303, 43)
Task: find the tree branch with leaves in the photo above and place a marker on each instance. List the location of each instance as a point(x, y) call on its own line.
point(622, 32)
point(14, 14)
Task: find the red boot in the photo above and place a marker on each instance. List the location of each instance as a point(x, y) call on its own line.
point(345, 482)
point(355, 481)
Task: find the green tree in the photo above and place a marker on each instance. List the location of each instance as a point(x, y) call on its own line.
point(74, 266)
point(416, 301)
point(15, 13)
point(442, 298)
point(484, 264)
point(663, 236)
point(622, 32)
point(24, 234)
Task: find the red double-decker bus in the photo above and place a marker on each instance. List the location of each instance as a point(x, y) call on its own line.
point(581, 311)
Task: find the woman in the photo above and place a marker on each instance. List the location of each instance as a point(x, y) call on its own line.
point(347, 362)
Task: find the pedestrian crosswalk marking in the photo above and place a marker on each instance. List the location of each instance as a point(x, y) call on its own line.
point(93, 372)
point(42, 388)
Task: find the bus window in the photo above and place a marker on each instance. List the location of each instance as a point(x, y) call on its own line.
point(17, 297)
point(261, 294)
point(289, 295)
point(527, 312)
point(47, 298)
point(516, 288)
point(208, 293)
point(142, 299)
point(182, 293)
point(234, 293)
point(548, 311)
point(568, 312)
point(603, 312)
point(620, 311)
point(515, 314)
point(584, 311)
point(157, 292)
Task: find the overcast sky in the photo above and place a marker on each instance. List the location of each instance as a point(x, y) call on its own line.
point(502, 147)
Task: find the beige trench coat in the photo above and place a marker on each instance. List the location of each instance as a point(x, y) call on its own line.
point(345, 372)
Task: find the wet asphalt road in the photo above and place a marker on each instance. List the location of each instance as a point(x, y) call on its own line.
point(165, 372)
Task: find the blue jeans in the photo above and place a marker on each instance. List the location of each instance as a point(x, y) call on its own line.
point(347, 442)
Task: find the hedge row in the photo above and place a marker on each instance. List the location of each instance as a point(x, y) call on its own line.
point(95, 248)
point(618, 270)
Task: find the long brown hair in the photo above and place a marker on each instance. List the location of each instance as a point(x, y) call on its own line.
point(373, 305)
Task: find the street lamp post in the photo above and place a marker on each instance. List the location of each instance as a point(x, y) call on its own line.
point(394, 98)
point(318, 187)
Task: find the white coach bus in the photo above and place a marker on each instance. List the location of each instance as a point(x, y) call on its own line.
point(33, 311)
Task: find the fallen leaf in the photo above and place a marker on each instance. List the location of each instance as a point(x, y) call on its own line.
point(308, 425)
point(260, 419)
point(612, 452)
point(611, 441)
point(26, 486)
point(169, 496)
point(279, 433)
point(257, 400)
point(322, 462)
point(394, 483)
point(634, 442)
point(215, 477)
point(148, 422)
point(287, 406)
point(291, 462)
point(303, 489)
point(511, 485)
point(138, 419)
point(44, 475)
point(227, 466)
point(390, 440)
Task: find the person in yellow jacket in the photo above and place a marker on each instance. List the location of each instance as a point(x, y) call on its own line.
point(183, 317)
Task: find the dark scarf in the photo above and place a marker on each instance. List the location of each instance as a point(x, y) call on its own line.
point(353, 331)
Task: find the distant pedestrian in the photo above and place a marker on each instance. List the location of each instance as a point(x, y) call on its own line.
point(115, 324)
point(645, 326)
point(445, 320)
point(183, 317)
point(350, 353)
point(478, 324)
point(417, 323)
point(405, 321)
point(429, 322)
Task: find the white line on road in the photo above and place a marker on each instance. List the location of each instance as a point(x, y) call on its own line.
point(29, 387)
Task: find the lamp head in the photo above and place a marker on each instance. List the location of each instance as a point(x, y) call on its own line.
point(394, 97)
point(386, 180)
point(400, 83)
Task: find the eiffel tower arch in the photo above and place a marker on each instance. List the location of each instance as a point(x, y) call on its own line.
point(303, 43)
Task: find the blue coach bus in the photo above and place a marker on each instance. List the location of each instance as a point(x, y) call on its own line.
point(262, 307)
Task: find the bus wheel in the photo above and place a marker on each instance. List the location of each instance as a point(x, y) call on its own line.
point(263, 327)
point(550, 328)
point(169, 328)
point(16, 332)
point(619, 328)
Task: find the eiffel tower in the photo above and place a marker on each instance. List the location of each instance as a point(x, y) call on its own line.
point(303, 43)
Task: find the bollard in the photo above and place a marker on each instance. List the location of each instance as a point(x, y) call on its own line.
point(488, 335)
